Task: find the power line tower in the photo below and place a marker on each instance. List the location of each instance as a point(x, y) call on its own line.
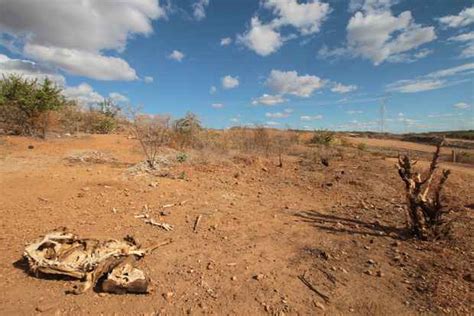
point(382, 110)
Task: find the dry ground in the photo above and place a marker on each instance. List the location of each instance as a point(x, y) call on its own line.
point(262, 227)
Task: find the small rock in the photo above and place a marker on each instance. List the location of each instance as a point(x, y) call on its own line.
point(368, 272)
point(168, 295)
point(370, 261)
point(153, 184)
point(264, 169)
point(233, 278)
point(31, 147)
point(379, 274)
point(259, 276)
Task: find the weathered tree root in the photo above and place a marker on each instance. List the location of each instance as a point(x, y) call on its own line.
point(90, 260)
point(425, 213)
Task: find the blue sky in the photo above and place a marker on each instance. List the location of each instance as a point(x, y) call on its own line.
point(280, 63)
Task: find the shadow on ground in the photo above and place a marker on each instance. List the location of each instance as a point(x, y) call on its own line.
point(339, 224)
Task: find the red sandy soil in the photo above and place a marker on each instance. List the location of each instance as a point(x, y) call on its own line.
point(262, 227)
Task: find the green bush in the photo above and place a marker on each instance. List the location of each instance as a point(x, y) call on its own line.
point(181, 157)
point(323, 137)
point(26, 103)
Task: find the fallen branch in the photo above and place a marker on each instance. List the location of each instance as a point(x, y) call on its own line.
point(313, 288)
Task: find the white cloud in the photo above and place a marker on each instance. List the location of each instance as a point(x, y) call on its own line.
point(28, 69)
point(464, 18)
point(117, 97)
point(468, 51)
point(289, 82)
point(465, 69)
point(81, 31)
point(340, 88)
point(412, 86)
point(277, 115)
point(148, 79)
point(199, 9)
point(468, 48)
point(308, 118)
point(84, 94)
point(212, 90)
point(462, 105)
point(354, 112)
point(261, 38)
point(305, 17)
point(226, 41)
point(82, 63)
point(371, 5)
point(434, 80)
point(229, 82)
point(217, 105)
point(267, 99)
point(377, 35)
point(272, 123)
point(235, 120)
point(176, 55)
point(466, 37)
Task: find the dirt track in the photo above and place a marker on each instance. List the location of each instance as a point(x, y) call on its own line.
point(262, 227)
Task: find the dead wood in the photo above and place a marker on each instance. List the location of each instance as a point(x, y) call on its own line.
point(423, 198)
point(313, 288)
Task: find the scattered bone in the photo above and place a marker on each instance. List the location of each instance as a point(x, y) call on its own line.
point(63, 253)
point(196, 223)
point(149, 220)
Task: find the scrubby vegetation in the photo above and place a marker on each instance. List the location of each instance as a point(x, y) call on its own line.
point(25, 105)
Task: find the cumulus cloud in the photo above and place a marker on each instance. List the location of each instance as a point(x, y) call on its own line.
point(28, 69)
point(268, 99)
point(464, 18)
point(305, 17)
point(266, 38)
point(117, 97)
point(229, 82)
point(261, 38)
point(434, 80)
point(176, 55)
point(84, 94)
point(376, 34)
point(199, 9)
point(289, 82)
point(81, 32)
point(340, 88)
point(82, 63)
point(217, 105)
point(212, 90)
point(226, 41)
point(308, 118)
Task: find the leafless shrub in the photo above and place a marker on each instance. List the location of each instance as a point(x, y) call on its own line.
point(424, 209)
point(152, 131)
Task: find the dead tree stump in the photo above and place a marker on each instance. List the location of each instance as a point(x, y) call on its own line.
point(423, 198)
